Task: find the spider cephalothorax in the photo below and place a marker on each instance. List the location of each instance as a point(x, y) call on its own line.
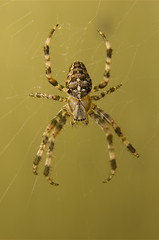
point(79, 106)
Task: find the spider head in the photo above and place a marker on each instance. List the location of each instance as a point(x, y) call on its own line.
point(78, 82)
point(79, 108)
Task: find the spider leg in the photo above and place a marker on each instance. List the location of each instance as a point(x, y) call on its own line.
point(45, 137)
point(107, 65)
point(102, 123)
point(102, 94)
point(116, 128)
point(42, 146)
point(48, 64)
point(60, 121)
point(51, 97)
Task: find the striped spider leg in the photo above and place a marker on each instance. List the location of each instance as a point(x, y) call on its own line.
point(102, 94)
point(48, 64)
point(103, 119)
point(59, 120)
point(48, 96)
point(116, 128)
point(104, 126)
point(49, 135)
point(109, 50)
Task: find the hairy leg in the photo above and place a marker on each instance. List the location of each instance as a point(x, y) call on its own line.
point(107, 65)
point(102, 94)
point(48, 64)
point(104, 126)
point(48, 96)
point(116, 128)
point(45, 138)
point(59, 125)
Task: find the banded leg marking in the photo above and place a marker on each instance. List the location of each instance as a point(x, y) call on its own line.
point(107, 65)
point(102, 123)
point(42, 146)
point(48, 96)
point(48, 64)
point(45, 138)
point(59, 125)
point(117, 130)
point(113, 164)
point(102, 94)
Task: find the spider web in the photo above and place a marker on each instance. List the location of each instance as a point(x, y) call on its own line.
point(80, 159)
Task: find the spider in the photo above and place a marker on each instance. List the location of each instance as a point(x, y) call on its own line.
point(79, 104)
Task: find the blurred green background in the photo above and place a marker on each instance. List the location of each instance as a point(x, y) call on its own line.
point(82, 207)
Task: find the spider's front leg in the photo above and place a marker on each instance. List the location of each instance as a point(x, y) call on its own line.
point(55, 126)
point(109, 138)
point(43, 145)
point(60, 121)
point(116, 128)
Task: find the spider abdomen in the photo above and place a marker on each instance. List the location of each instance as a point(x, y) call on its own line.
point(78, 82)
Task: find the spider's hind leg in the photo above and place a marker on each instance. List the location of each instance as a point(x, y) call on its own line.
point(109, 50)
point(48, 64)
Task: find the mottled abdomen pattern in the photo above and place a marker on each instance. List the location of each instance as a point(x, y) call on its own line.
point(78, 82)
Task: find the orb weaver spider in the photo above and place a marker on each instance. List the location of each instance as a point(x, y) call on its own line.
point(78, 105)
